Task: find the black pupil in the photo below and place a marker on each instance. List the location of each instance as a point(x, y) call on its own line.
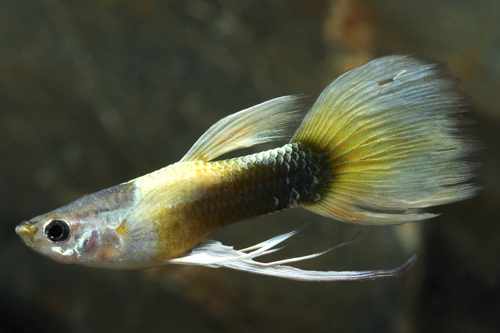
point(57, 231)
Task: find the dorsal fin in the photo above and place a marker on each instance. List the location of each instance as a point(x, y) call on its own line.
point(265, 122)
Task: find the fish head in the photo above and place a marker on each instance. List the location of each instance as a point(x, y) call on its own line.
point(62, 238)
point(50, 235)
point(82, 232)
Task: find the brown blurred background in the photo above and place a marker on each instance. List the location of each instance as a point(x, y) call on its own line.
point(94, 93)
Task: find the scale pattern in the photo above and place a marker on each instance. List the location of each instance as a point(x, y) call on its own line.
point(259, 184)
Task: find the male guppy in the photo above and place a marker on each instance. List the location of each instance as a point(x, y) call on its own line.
point(381, 142)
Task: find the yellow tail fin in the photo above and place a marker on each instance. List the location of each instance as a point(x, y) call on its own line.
point(393, 132)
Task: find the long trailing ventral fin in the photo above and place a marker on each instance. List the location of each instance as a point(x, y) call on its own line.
point(215, 255)
point(265, 122)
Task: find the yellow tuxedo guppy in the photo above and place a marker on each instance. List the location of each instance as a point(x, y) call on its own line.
point(382, 141)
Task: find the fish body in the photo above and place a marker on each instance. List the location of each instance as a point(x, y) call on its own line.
point(381, 142)
point(197, 198)
point(210, 195)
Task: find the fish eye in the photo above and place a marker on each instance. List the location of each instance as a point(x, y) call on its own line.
point(57, 231)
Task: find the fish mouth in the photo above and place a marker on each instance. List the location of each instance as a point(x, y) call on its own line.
point(26, 231)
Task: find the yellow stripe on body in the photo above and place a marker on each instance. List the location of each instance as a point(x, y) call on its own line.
point(189, 200)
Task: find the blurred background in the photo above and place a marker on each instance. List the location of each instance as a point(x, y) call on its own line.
point(95, 93)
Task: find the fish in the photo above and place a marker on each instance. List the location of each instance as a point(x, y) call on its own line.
point(381, 144)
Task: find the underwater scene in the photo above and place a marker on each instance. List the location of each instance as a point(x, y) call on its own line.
point(95, 94)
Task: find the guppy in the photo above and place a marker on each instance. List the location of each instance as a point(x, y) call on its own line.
point(381, 142)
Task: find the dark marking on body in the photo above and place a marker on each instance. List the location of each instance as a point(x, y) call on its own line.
point(258, 189)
